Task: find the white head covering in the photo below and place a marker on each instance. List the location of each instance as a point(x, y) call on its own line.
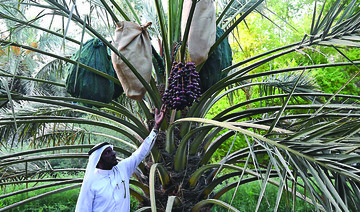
point(93, 161)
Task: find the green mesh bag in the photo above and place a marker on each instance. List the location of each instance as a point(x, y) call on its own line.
point(221, 58)
point(88, 85)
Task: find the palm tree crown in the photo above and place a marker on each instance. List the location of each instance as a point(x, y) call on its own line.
point(279, 127)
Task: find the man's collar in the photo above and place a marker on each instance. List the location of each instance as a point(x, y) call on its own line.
point(104, 172)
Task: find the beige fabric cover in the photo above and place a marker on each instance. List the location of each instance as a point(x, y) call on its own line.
point(202, 34)
point(132, 41)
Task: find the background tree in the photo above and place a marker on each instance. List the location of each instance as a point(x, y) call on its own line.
point(280, 129)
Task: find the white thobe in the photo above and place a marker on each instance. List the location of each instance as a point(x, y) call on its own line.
point(109, 190)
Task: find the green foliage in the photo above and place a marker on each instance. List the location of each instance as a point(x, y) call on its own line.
point(255, 34)
point(331, 79)
point(317, 140)
point(68, 163)
point(64, 201)
point(227, 101)
point(247, 195)
point(235, 142)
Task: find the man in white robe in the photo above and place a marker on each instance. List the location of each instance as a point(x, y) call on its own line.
point(105, 186)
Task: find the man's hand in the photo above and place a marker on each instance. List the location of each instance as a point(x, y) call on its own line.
point(159, 116)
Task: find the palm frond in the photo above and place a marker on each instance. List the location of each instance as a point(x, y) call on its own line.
point(311, 162)
point(288, 133)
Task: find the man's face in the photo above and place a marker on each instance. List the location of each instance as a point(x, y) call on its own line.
point(108, 157)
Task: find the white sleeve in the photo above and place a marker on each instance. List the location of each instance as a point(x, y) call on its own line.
point(85, 199)
point(134, 160)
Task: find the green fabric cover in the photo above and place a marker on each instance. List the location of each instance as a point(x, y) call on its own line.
point(88, 85)
point(221, 58)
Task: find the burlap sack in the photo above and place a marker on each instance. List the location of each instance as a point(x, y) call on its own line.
point(132, 41)
point(202, 34)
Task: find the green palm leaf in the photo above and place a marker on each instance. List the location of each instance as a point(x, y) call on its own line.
point(289, 133)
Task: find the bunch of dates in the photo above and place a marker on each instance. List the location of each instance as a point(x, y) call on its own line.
point(183, 88)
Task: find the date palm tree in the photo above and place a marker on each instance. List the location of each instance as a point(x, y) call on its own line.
point(303, 141)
